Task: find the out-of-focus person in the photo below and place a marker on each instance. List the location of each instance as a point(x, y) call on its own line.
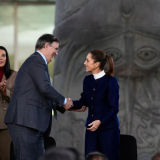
point(7, 77)
point(156, 156)
point(61, 153)
point(96, 156)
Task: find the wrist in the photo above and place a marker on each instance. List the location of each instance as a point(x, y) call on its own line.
point(99, 122)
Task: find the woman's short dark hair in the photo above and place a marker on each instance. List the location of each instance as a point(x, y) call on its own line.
point(7, 70)
point(45, 38)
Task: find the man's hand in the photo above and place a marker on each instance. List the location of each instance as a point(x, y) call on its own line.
point(94, 125)
point(83, 109)
point(69, 104)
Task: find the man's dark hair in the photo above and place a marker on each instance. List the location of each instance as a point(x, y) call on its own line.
point(96, 156)
point(60, 153)
point(45, 38)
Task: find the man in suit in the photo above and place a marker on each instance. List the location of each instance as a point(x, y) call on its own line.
point(29, 113)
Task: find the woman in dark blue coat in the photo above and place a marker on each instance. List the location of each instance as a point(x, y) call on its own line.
point(101, 96)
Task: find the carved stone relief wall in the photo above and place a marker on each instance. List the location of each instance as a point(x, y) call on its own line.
point(129, 31)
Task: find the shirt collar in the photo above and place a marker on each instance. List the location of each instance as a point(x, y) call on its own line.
point(99, 75)
point(42, 56)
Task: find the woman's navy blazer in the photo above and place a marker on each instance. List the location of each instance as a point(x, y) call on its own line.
point(101, 96)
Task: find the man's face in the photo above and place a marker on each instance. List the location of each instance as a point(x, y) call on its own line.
point(52, 50)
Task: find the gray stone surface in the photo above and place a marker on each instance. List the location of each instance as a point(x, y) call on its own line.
point(129, 31)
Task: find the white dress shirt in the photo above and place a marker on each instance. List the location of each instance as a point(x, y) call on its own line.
point(42, 56)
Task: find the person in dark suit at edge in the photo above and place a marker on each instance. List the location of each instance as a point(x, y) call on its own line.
point(29, 114)
point(101, 96)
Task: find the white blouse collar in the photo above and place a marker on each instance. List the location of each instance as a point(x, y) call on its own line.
point(99, 75)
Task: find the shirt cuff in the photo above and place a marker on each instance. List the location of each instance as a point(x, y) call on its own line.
point(65, 101)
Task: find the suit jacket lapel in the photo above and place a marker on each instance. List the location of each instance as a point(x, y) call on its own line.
point(43, 62)
point(47, 71)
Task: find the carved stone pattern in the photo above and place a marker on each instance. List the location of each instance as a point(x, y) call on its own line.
point(129, 31)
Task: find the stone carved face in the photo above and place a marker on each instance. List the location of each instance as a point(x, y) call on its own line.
point(129, 31)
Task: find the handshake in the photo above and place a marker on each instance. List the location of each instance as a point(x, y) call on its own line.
point(69, 104)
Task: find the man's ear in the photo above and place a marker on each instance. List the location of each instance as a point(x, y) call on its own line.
point(46, 46)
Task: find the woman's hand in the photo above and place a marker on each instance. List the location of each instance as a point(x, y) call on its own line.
point(94, 125)
point(83, 109)
point(3, 85)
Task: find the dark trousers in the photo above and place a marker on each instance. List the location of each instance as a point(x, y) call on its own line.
point(5, 140)
point(28, 143)
point(104, 141)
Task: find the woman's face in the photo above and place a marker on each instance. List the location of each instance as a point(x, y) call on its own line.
point(90, 64)
point(2, 58)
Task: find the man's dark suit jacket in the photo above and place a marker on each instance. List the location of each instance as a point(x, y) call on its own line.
point(101, 96)
point(33, 96)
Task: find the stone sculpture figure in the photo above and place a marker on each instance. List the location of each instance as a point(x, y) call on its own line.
point(129, 31)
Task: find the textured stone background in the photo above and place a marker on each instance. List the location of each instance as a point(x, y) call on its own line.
point(129, 31)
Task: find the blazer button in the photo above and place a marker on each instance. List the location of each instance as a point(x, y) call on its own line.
point(4, 109)
point(92, 115)
point(4, 101)
point(93, 89)
point(91, 97)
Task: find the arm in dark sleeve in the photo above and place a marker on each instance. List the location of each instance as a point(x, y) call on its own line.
point(79, 103)
point(39, 74)
point(60, 109)
point(82, 101)
point(113, 100)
